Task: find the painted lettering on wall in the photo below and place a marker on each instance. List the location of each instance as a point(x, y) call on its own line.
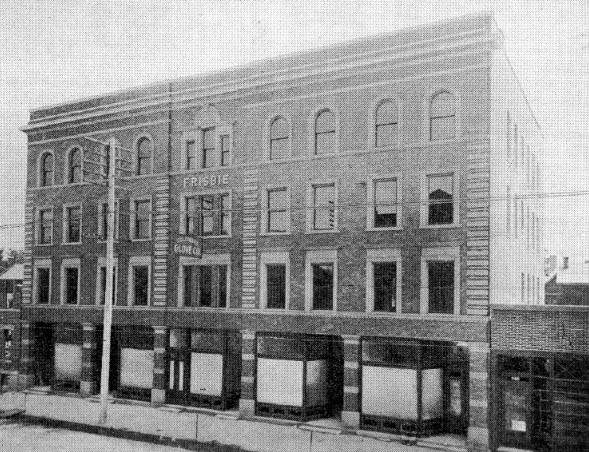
point(212, 180)
point(188, 246)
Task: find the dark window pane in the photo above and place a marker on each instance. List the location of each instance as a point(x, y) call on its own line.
point(144, 151)
point(190, 154)
point(279, 135)
point(225, 215)
point(103, 284)
point(75, 166)
point(442, 116)
point(190, 218)
point(276, 286)
point(386, 124)
point(385, 203)
point(73, 224)
point(440, 196)
point(142, 216)
point(43, 285)
point(277, 212)
point(46, 226)
point(189, 285)
point(441, 286)
point(141, 284)
point(225, 150)
point(385, 286)
point(207, 221)
point(71, 285)
point(322, 286)
point(205, 286)
point(47, 170)
point(222, 286)
point(208, 147)
point(324, 207)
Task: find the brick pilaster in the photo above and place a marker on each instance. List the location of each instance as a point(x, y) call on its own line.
point(248, 350)
point(160, 344)
point(89, 368)
point(26, 373)
point(352, 358)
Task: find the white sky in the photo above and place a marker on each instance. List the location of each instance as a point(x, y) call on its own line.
point(52, 52)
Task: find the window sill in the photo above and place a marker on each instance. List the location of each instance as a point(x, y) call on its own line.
point(440, 226)
point(327, 231)
point(225, 236)
point(44, 244)
point(71, 243)
point(393, 228)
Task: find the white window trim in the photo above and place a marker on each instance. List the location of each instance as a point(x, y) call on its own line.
point(221, 130)
point(138, 261)
point(382, 255)
point(69, 263)
point(439, 254)
point(267, 136)
point(424, 198)
point(40, 169)
point(273, 257)
point(457, 112)
point(220, 191)
point(206, 259)
point(38, 225)
point(188, 135)
point(39, 264)
point(117, 219)
point(133, 216)
point(100, 264)
point(312, 119)
point(136, 154)
point(66, 172)
point(311, 207)
point(319, 257)
point(264, 211)
point(64, 223)
point(371, 145)
point(370, 202)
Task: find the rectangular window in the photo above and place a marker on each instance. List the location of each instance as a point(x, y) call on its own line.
point(190, 215)
point(277, 210)
point(440, 190)
point(206, 215)
point(385, 286)
point(45, 226)
point(71, 276)
point(208, 147)
point(142, 229)
point(205, 285)
point(7, 342)
point(43, 285)
point(190, 148)
point(104, 221)
point(10, 291)
point(324, 207)
point(225, 215)
point(385, 203)
point(140, 285)
point(102, 284)
point(322, 274)
point(225, 150)
point(441, 286)
point(276, 286)
point(73, 224)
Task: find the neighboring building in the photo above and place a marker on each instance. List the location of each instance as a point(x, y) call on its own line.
point(317, 235)
point(10, 299)
point(570, 288)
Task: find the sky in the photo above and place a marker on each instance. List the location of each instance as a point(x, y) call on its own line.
point(54, 52)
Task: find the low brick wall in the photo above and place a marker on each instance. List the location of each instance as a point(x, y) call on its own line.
point(540, 328)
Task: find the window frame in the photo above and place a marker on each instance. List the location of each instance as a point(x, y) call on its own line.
point(138, 261)
point(274, 258)
point(68, 165)
point(100, 222)
point(439, 254)
point(269, 123)
point(38, 225)
point(187, 137)
point(136, 142)
point(428, 108)
point(217, 213)
point(424, 205)
point(204, 260)
point(101, 263)
point(66, 264)
point(370, 205)
point(315, 257)
point(310, 210)
point(41, 169)
point(42, 264)
point(313, 135)
point(380, 255)
point(265, 211)
point(65, 224)
point(374, 125)
point(133, 217)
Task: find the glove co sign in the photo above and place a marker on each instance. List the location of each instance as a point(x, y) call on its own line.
point(188, 246)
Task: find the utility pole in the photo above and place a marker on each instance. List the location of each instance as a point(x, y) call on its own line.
point(109, 293)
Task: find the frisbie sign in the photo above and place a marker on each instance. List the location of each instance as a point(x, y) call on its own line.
point(188, 246)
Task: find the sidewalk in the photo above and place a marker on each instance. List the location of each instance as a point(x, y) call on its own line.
point(171, 423)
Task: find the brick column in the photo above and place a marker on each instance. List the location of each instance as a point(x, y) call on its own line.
point(478, 403)
point(160, 345)
point(89, 370)
point(352, 357)
point(26, 373)
point(248, 348)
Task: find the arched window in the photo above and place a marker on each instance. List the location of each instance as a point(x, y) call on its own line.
point(144, 152)
point(325, 140)
point(279, 138)
point(46, 169)
point(386, 124)
point(74, 167)
point(442, 116)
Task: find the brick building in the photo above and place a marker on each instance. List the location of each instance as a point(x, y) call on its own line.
point(10, 297)
point(317, 235)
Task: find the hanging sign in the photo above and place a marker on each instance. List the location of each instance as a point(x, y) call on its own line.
point(188, 246)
